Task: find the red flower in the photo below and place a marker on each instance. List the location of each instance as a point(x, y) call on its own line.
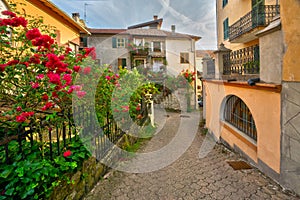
point(20, 118)
point(2, 67)
point(45, 97)
point(125, 108)
point(54, 78)
point(81, 94)
point(8, 13)
point(108, 78)
point(138, 108)
point(76, 68)
point(87, 70)
point(67, 153)
point(19, 109)
point(90, 52)
point(33, 33)
point(35, 59)
point(67, 78)
point(40, 76)
point(68, 50)
point(47, 106)
point(13, 62)
point(54, 95)
point(34, 85)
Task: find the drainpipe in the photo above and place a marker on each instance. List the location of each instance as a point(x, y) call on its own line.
point(277, 3)
point(195, 70)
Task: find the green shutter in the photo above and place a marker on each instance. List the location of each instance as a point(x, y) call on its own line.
point(123, 62)
point(114, 42)
point(226, 29)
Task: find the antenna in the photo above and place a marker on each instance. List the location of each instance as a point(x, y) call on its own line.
point(85, 5)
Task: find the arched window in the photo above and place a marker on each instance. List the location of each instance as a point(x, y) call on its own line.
point(238, 114)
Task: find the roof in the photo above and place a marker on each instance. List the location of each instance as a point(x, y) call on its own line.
point(144, 32)
point(106, 31)
point(152, 22)
point(61, 13)
point(204, 53)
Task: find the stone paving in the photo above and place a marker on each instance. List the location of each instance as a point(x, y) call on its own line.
point(189, 177)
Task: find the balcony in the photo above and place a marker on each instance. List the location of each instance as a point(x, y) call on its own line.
point(244, 30)
point(242, 62)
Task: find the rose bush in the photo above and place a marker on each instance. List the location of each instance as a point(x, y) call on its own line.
point(36, 74)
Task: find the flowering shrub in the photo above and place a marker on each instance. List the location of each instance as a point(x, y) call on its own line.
point(37, 82)
point(36, 74)
point(118, 94)
point(188, 75)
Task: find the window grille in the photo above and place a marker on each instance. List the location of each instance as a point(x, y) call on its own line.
point(238, 115)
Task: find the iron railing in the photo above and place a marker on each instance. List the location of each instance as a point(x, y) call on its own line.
point(55, 138)
point(242, 61)
point(261, 16)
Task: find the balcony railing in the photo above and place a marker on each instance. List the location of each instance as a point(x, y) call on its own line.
point(261, 16)
point(243, 61)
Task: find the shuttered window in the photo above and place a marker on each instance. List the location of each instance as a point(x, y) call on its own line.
point(226, 29)
point(225, 2)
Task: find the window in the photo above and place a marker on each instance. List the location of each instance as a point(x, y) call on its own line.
point(226, 29)
point(184, 58)
point(156, 46)
point(238, 115)
point(224, 3)
point(122, 62)
point(118, 42)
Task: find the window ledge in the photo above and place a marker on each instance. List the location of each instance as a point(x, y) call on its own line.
point(240, 135)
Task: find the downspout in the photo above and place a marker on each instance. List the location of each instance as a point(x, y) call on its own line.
point(195, 70)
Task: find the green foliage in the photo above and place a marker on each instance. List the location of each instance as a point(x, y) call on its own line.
point(35, 177)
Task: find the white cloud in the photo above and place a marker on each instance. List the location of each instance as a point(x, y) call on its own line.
point(189, 16)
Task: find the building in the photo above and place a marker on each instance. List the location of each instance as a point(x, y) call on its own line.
point(144, 45)
point(67, 29)
point(252, 99)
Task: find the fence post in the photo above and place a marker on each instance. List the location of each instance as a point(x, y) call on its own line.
point(219, 64)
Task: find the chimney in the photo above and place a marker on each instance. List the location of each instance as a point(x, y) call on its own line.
point(155, 17)
point(173, 28)
point(76, 17)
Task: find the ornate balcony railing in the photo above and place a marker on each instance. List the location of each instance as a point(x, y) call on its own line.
point(261, 16)
point(242, 61)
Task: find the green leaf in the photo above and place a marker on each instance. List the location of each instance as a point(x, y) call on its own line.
point(6, 172)
point(10, 191)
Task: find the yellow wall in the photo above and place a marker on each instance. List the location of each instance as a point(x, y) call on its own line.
point(68, 33)
point(234, 10)
point(265, 108)
point(290, 20)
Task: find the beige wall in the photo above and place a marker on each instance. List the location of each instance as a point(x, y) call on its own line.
point(173, 50)
point(68, 33)
point(265, 108)
point(290, 19)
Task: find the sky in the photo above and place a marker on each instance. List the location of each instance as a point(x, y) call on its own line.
point(195, 17)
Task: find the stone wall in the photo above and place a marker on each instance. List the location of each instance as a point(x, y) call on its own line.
point(82, 181)
point(290, 139)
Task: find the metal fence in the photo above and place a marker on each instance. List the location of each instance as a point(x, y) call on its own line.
point(242, 61)
point(53, 139)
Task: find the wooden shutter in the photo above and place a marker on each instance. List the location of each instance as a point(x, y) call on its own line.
point(114, 42)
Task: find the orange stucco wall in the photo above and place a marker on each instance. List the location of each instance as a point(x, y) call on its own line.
point(68, 33)
point(290, 20)
point(265, 108)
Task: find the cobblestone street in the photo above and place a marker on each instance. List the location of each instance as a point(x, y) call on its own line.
point(189, 177)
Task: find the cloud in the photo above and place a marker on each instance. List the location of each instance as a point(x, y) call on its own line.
point(189, 16)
